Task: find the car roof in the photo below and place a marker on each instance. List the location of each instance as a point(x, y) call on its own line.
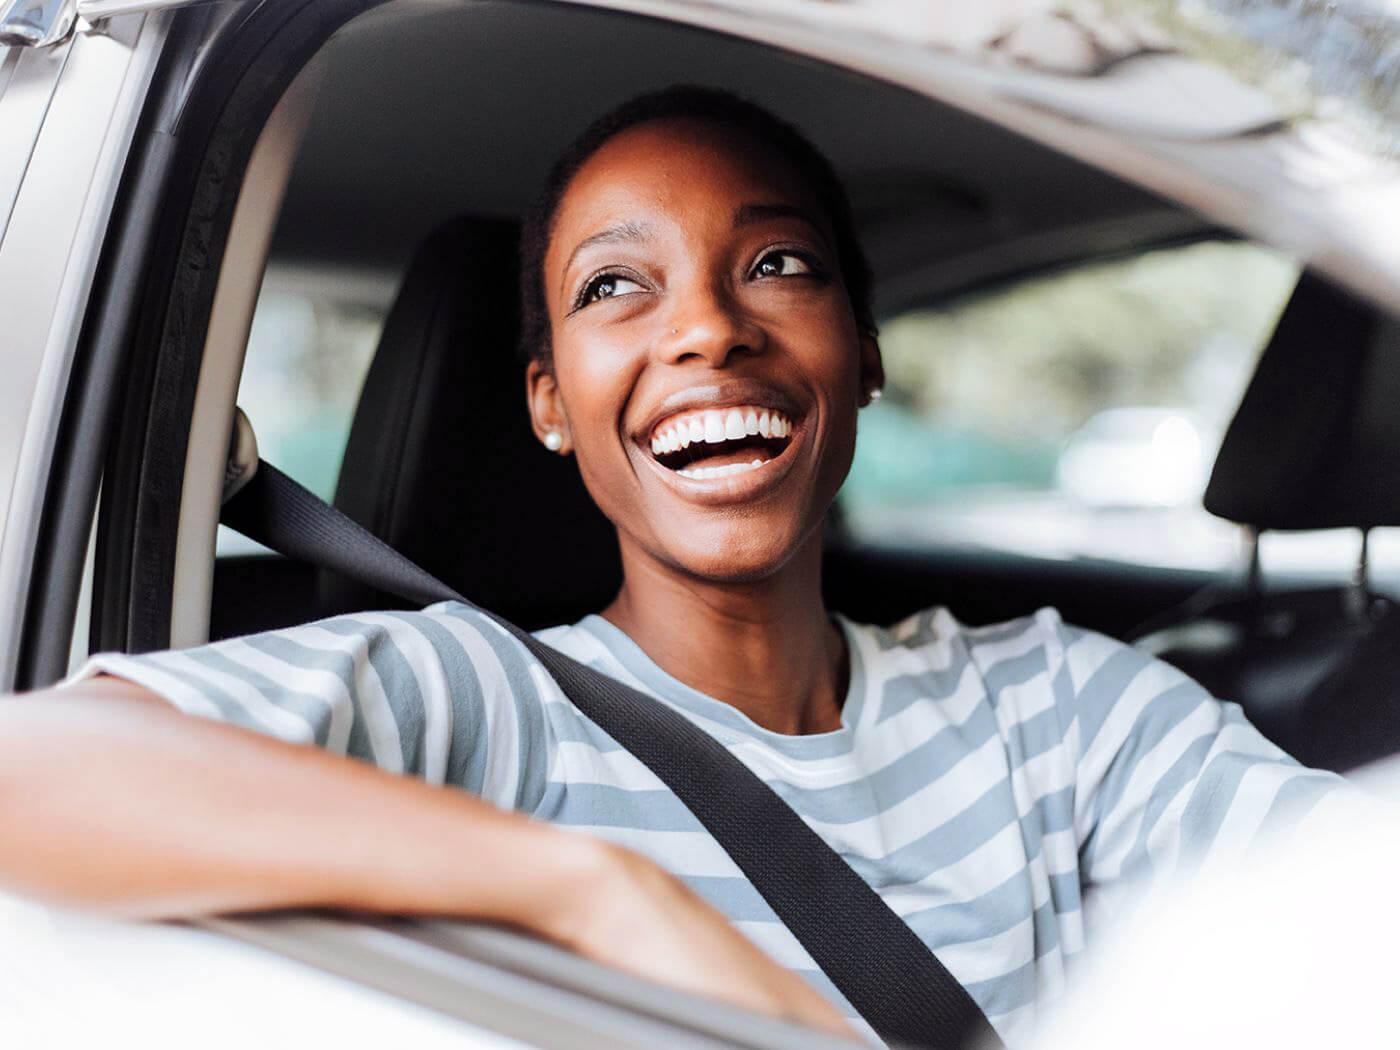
point(1055, 139)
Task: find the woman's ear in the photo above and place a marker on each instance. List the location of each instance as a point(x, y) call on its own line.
point(872, 369)
point(550, 424)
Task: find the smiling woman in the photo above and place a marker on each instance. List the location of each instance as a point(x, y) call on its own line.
point(699, 268)
point(700, 341)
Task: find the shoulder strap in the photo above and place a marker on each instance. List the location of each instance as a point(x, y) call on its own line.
point(867, 951)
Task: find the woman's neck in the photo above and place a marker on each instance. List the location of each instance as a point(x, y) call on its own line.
point(767, 648)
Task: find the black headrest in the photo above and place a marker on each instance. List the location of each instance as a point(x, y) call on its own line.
point(1315, 443)
point(441, 462)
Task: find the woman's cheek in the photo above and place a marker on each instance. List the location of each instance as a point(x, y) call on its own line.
point(594, 382)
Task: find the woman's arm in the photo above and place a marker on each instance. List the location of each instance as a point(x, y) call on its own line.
point(115, 801)
point(1169, 780)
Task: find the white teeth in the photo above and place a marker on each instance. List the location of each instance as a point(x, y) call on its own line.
point(714, 427)
point(733, 424)
point(703, 473)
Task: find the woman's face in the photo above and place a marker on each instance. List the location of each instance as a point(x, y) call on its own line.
point(707, 367)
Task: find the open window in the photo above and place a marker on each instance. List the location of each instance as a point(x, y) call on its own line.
point(366, 189)
point(1070, 415)
point(320, 147)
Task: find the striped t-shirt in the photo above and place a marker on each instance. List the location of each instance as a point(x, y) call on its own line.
point(1002, 788)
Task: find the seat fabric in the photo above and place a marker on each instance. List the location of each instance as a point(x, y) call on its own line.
point(1315, 443)
point(441, 462)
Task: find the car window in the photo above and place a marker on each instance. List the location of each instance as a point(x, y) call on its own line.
point(310, 346)
point(1075, 414)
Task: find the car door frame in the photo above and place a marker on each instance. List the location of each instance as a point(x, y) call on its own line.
point(76, 105)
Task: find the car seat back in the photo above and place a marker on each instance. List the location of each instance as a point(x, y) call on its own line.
point(441, 462)
point(1315, 444)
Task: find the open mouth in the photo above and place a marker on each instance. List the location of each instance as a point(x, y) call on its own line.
point(719, 442)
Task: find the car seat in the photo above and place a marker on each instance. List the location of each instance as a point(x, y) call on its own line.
point(1315, 444)
point(441, 462)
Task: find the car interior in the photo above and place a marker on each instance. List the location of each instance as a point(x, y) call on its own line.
point(323, 197)
point(943, 202)
point(399, 162)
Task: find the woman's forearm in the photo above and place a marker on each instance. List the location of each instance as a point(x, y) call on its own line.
point(112, 800)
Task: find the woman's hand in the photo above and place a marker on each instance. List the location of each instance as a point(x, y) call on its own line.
point(632, 915)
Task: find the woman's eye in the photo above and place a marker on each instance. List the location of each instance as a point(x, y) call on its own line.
point(607, 286)
point(782, 264)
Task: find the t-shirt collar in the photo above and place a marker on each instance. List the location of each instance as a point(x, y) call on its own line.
point(636, 663)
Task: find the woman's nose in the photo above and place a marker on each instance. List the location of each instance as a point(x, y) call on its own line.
point(708, 325)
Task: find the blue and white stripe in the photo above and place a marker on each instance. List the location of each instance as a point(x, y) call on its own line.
point(999, 787)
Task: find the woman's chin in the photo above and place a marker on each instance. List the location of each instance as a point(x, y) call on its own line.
point(735, 555)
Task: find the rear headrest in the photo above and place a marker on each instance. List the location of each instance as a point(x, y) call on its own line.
point(441, 462)
point(1315, 443)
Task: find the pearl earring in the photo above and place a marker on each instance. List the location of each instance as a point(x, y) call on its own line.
point(876, 393)
point(553, 440)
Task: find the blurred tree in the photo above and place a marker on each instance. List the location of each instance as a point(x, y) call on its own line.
point(1033, 361)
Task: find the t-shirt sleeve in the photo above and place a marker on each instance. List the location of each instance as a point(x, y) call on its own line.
point(1168, 778)
point(444, 694)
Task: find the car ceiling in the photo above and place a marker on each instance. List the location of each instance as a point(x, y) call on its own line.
point(427, 111)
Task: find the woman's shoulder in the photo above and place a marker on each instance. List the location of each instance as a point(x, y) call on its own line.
point(938, 628)
point(1031, 662)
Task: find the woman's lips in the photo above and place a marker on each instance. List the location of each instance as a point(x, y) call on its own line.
point(724, 441)
point(748, 478)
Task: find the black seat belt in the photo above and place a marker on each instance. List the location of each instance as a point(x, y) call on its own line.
point(867, 951)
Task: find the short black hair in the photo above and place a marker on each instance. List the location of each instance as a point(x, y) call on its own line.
point(693, 103)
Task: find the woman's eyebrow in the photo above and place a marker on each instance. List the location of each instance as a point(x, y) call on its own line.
point(623, 231)
point(747, 214)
